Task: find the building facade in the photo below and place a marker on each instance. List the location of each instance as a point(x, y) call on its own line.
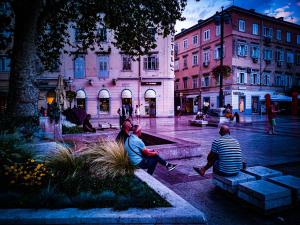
point(263, 53)
point(106, 79)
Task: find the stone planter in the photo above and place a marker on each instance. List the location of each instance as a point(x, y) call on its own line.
point(181, 212)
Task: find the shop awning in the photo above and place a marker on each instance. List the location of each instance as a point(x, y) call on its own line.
point(103, 94)
point(279, 98)
point(126, 94)
point(191, 96)
point(150, 94)
point(80, 94)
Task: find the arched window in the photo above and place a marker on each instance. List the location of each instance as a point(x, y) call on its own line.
point(80, 99)
point(103, 101)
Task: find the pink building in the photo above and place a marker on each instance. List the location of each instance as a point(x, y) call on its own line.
point(263, 53)
point(106, 79)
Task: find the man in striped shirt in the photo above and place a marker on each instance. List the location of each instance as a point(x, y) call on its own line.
point(225, 155)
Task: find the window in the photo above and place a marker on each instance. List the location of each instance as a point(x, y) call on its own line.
point(177, 85)
point(151, 62)
point(218, 30)
point(79, 65)
point(152, 32)
point(242, 25)
point(195, 59)
point(4, 63)
point(185, 64)
point(290, 57)
point(195, 81)
point(254, 78)
point(279, 80)
point(266, 79)
point(185, 44)
point(268, 32)
point(242, 49)
point(206, 56)
point(195, 39)
point(102, 34)
point(77, 36)
point(288, 36)
point(126, 63)
point(176, 65)
point(185, 79)
point(298, 39)
point(278, 35)
point(279, 55)
point(288, 81)
point(297, 59)
point(242, 78)
point(255, 28)
point(206, 35)
point(176, 49)
point(268, 54)
point(255, 52)
point(217, 52)
point(103, 66)
point(206, 81)
point(103, 101)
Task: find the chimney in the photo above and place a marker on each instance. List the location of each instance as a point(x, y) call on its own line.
point(280, 18)
point(200, 21)
point(182, 29)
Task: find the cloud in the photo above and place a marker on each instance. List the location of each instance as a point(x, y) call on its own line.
point(284, 12)
point(200, 10)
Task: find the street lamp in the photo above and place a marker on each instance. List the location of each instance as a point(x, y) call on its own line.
point(220, 18)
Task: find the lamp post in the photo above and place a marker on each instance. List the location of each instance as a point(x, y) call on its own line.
point(220, 18)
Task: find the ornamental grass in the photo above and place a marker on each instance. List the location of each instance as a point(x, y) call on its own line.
point(108, 159)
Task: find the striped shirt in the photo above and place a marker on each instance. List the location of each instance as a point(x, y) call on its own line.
point(229, 154)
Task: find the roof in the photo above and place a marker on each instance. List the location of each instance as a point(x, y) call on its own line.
point(237, 9)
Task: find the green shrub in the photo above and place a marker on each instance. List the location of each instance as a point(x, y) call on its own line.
point(72, 130)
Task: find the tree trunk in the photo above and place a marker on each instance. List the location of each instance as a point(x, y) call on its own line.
point(23, 91)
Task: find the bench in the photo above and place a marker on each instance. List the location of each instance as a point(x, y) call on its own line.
point(261, 172)
point(195, 122)
point(230, 184)
point(290, 182)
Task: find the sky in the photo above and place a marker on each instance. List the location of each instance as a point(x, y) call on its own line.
point(202, 9)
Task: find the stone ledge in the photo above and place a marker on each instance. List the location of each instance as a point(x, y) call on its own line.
point(261, 172)
point(181, 212)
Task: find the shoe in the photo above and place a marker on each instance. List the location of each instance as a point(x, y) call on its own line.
point(197, 170)
point(170, 166)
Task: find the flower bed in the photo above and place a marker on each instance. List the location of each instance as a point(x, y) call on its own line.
point(101, 176)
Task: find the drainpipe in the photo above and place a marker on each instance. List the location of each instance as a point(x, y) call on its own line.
point(139, 82)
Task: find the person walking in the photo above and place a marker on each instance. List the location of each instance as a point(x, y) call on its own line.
point(225, 155)
point(142, 157)
point(272, 118)
point(137, 113)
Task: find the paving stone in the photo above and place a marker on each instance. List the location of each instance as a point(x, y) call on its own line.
point(231, 183)
point(261, 172)
point(290, 182)
point(264, 194)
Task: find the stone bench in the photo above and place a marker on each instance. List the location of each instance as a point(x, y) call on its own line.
point(264, 194)
point(261, 172)
point(104, 125)
point(230, 184)
point(290, 182)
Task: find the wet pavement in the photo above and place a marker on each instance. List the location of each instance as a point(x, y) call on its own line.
point(280, 151)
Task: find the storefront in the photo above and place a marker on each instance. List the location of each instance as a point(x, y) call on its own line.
point(51, 96)
point(255, 104)
point(81, 99)
point(103, 102)
point(150, 103)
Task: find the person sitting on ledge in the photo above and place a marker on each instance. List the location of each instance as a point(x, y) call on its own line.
point(225, 155)
point(124, 132)
point(142, 157)
point(87, 126)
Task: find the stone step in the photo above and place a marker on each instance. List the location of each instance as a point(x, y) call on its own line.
point(261, 172)
point(264, 194)
point(231, 183)
point(290, 182)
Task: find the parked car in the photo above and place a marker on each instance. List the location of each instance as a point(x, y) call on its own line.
point(216, 117)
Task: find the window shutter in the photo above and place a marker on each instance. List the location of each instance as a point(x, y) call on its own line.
point(238, 78)
point(246, 50)
point(251, 78)
point(258, 78)
point(145, 63)
point(245, 78)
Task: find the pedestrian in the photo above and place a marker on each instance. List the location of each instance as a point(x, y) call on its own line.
point(142, 157)
point(271, 118)
point(130, 111)
point(124, 132)
point(225, 155)
point(178, 111)
point(137, 113)
point(205, 107)
point(87, 126)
